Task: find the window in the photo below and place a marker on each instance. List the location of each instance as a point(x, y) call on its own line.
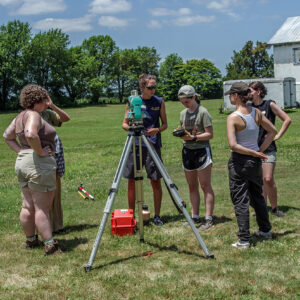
point(296, 55)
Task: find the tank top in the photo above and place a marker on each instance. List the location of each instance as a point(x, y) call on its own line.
point(248, 136)
point(151, 108)
point(265, 108)
point(46, 133)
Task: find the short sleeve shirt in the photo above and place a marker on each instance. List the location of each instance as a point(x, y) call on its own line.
point(195, 123)
point(51, 117)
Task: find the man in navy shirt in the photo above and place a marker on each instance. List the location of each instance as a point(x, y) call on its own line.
point(155, 122)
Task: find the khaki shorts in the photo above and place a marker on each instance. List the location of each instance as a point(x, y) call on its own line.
point(36, 172)
point(271, 157)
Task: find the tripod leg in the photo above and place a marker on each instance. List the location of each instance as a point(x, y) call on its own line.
point(139, 194)
point(110, 200)
point(175, 194)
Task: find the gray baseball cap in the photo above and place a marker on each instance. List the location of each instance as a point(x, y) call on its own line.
point(238, 87)
point(186, 91)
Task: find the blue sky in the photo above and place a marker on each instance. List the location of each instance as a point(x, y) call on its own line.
point(191, 28)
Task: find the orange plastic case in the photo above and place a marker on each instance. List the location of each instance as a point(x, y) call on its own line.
point(122, 222)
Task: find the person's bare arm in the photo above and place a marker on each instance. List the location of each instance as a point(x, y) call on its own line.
point(231, 136)
point(31, 129)
point(63, 116)
point(286, 120)
point(125, 124)
point(164, 123)
point(205, 136)
point(9, 136)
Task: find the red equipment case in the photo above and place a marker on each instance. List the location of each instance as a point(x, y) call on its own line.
point(122, 222)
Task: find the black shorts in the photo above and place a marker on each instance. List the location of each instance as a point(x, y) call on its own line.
point(196, 159)
point(147, 161)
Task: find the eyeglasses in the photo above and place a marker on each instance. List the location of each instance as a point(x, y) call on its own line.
point(151, 87)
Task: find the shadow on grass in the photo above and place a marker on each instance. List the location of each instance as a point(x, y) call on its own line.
point(275, 237)
point(121, 260)
point(173, 248)
point(69, 245)
point(221, 219)
point(78, 227)
point(181, 217)
point(150, 253)
point(286, 208)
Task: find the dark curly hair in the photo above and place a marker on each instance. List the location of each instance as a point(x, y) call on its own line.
point(259, 86)
point(32, 94)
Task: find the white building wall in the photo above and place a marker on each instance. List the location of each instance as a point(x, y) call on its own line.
point(284, 65)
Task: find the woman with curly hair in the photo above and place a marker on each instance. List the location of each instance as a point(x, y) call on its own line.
point(35, 166)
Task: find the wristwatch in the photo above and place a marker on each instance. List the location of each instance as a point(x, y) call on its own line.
point(194, 138)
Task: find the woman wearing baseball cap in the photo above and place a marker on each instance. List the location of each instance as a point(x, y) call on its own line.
point(245, 166)
point(196, 153)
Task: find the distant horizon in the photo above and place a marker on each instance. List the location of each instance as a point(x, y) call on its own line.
point(193, 29)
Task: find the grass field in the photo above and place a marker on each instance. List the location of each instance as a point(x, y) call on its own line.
point(93, 141)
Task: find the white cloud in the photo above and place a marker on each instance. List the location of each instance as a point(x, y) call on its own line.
point(8, 2)
point(190, 20)
point(162, 12)
point(109, 6)
point(36, 7)
point(110, 21)
point(154, 24)
point(226, 6)
point(66, 25)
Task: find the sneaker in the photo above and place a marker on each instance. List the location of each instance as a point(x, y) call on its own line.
point(157, 221)
point(33, 244)
point(265, 235)
point(52, 248)
point(206, 225)
point(196, 221)
point(278, 213)
point(241, 245)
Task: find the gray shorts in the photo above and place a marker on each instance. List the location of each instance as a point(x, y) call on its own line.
point(36, 172)
point(271, 157)
point(147, 161)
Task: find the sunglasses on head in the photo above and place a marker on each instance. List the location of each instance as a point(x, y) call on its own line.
point(151, 87)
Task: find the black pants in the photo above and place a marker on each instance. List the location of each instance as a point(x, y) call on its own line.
point(245, 183)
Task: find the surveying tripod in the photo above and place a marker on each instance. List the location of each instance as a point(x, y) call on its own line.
point(139, 131)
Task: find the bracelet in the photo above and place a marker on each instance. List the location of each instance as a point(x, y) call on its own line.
point(158, 130)
point(194, 138)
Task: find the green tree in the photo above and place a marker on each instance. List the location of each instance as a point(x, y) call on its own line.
point(202, 75)
point(128, 65)
point(147, 61)
point(102, 49)
point(123, 73)
point(46, 57)
point(77, 74)
point(13, 38)
point(168, 84)
point(251, 62)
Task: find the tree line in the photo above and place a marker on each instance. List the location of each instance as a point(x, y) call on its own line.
point(98, 68)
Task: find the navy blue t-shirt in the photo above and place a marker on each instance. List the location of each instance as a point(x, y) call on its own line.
point(151, 107)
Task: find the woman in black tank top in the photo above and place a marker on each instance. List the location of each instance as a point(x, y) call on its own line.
point(270, 109)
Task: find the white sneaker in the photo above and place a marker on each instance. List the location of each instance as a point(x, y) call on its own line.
point(241, 245)
point(265, 235)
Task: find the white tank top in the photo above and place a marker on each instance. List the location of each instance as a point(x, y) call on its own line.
point(248, 137)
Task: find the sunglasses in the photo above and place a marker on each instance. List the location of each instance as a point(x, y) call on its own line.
point(151, 87)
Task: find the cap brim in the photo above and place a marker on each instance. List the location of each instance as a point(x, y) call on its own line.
point(227, 93)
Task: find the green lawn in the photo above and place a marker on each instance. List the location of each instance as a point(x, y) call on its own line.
point(93, 141)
